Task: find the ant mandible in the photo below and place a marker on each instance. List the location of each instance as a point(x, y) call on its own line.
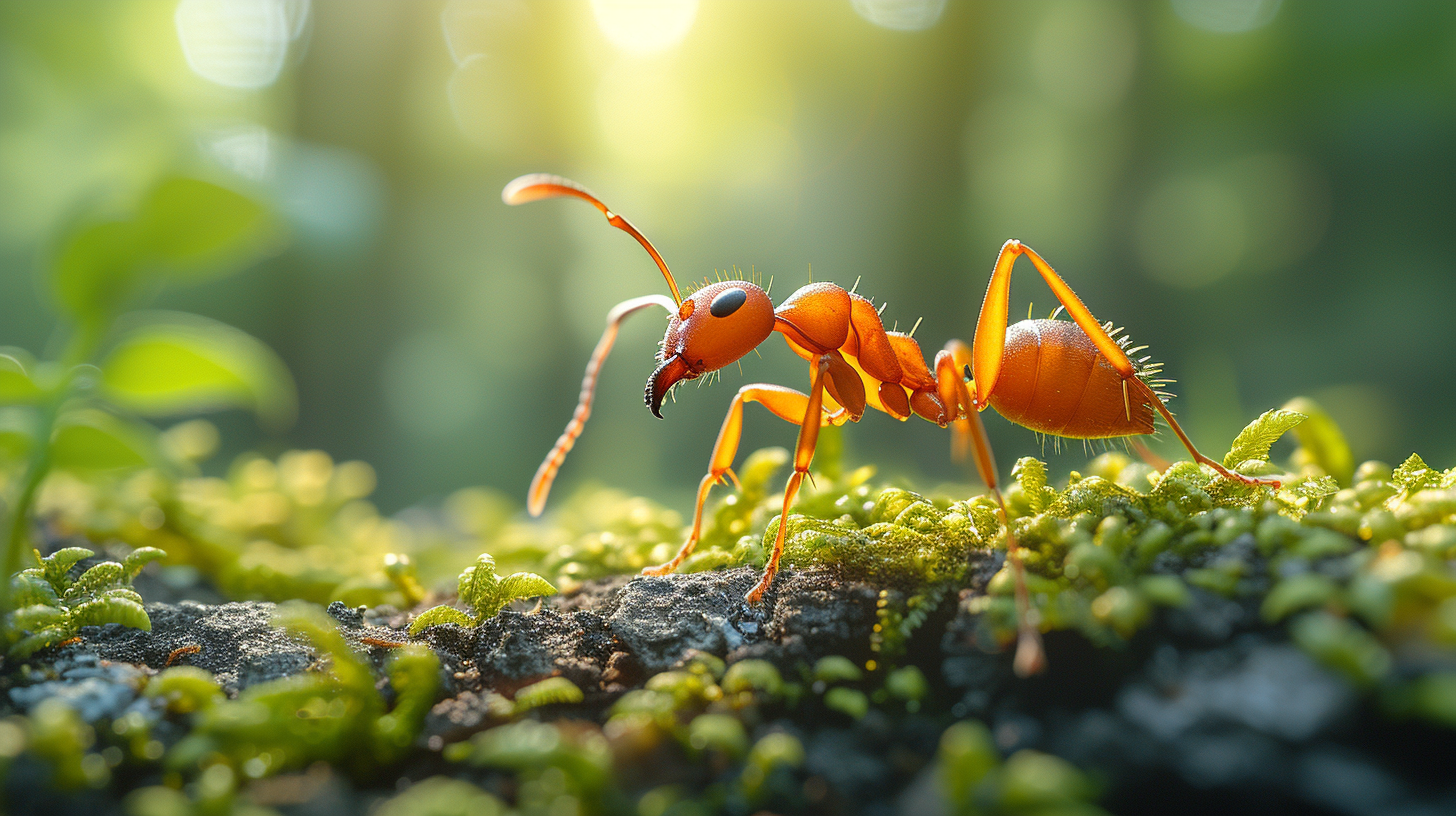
point(1061, 378)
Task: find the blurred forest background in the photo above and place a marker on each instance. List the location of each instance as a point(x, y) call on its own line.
point(1263, 191)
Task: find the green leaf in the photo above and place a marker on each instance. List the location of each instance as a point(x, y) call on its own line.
point(94, 269)
point(105, 575)
point(850, 702)
point(15, 383)
point(102, 611)
point(30, 587)
point(1295, 593)
point(523, 585)
point(198, 229)
point(58, 563)
point(193, 365)
point(33, 618)
point(478, 583)
point(1254, 441)
point(437, 616)
point(139, 558)
point(1414, 474)
point(88, 440)
point(40, 640)
point(551, 691)
point(1320, 438)
point(17, 426)
point(122, 592)
point(1032, 475)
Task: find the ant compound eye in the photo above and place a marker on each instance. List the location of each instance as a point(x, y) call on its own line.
point(728, 302)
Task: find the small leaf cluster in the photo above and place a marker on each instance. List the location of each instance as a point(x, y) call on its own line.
point(51, 607)
point(485, 593)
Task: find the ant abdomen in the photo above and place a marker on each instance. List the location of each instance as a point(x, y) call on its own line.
point(1054, 380)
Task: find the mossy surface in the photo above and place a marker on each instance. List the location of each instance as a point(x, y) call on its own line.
point(1190, 621)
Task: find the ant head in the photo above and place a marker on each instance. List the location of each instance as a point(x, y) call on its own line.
point(713, 327)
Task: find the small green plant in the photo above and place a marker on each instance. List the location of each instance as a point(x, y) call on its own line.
point(50, 607)
point(486, 593)
point(81, 411)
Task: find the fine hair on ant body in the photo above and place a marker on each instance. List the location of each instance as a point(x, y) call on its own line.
point(1060, 378)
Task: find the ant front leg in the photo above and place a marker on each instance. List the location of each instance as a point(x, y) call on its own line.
point(784, 403)
point(803, 455)
point(961, 406)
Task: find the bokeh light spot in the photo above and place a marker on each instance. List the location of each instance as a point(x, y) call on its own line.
point(246, 150)
point(239, 43)
point(645, 26)
point(900, 15)
point(1083, 54)
point(1226, 16)
point(1191, 231)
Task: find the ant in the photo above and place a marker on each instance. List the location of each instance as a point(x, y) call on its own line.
point(1061, 378)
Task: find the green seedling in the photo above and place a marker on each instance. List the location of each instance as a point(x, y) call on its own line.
point(51, 607)
point(486, 593)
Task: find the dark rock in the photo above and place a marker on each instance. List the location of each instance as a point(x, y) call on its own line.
point(804, 616)
point(816, 615)
point(1276, 690)
point(660, 619)
point(347, 616)
point(236, 642)
point(513, 649)
point(469, 711)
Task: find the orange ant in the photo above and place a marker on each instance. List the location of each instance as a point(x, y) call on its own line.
point(1061, 378)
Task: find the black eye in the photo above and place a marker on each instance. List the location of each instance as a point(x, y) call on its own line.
point(728, 302)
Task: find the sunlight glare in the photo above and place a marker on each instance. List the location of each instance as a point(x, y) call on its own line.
point(645, 26)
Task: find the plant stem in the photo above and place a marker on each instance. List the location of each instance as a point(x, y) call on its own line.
point(35, 473)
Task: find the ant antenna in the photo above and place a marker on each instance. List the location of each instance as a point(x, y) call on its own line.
point(536, 186)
